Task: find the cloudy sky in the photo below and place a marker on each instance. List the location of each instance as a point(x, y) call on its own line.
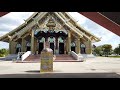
point(14, 19)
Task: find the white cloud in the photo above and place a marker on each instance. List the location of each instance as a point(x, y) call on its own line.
point(10, 22)
point(78, 17)
point(4, 45)
point(13, 20)
point(107, 37)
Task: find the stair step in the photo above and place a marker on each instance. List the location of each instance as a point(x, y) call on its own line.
point(62, 57)
point(11, 56)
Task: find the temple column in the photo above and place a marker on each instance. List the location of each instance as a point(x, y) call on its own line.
point(69, 42)
point(23, 44)
point(35, 44)
point(32, 42)
point(44, 42)
point(67, 45)
point(65, 48)
point(47, 44)
point(14, 47)
point(10, 46)
point(56, 44)
point(90, 47)
point(78, 45)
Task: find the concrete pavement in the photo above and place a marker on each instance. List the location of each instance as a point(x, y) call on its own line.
point(99, 67)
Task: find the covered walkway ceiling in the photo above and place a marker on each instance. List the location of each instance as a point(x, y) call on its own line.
point(109, 20)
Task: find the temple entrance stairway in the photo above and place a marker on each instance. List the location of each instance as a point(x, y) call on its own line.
point(64, 57)
point(33, 58)
point(10, 57)
point(58, 58)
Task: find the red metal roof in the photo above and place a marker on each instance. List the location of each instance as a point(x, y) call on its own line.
point(3, 13)
point(103, 21)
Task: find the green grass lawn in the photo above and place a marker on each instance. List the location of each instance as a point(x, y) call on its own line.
point(110, 56)
point(114, 56)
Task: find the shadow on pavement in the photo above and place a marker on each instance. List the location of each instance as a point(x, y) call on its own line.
point(2, 58)
point(34, 71)
point(61, 75)
point(38, 71)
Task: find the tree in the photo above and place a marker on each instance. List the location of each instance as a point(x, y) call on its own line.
point(106, 49)
point(117, 50)
point(98, 50)
point(3, 52)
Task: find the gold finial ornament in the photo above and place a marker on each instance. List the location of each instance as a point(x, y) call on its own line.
point(51, 24)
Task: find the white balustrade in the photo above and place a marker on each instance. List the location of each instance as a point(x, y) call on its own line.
point(25, 55)
point(20, 55)
point(77, 56)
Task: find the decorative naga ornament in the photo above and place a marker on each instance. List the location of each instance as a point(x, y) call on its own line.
point(10, 37)
point(51, 24)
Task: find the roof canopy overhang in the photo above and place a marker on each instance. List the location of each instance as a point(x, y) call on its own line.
point(109, 20)
point(3, 13)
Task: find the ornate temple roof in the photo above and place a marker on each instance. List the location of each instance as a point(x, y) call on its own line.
point(112, 18)
point(64, 17)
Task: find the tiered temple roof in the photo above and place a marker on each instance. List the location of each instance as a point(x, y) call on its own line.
point(37, 18)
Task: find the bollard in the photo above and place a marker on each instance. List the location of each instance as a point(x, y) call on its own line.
point(46, 60)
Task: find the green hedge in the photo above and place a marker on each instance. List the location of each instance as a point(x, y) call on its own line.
point(4, 52)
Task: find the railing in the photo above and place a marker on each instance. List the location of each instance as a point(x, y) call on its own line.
point(19, 56)
point(76, 56)
point(25, 55)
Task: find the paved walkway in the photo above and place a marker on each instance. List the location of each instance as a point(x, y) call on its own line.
point(99, 67)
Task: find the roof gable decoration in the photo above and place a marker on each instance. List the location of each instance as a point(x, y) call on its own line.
point(80, 28)
point(29, 25)
point(57, 28)
point(36, 17)
point(71, 26)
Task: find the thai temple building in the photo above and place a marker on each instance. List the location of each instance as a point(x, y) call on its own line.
point(60, 29)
